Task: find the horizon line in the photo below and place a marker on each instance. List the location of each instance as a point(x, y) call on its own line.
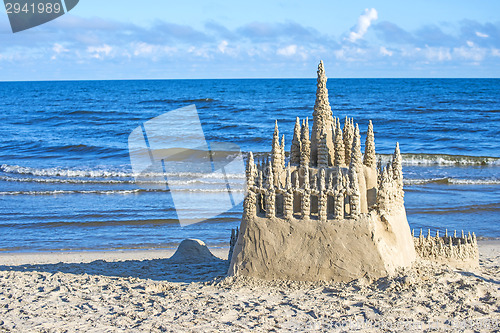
point(255, 78)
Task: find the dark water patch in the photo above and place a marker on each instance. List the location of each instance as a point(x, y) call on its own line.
point(170, 101)
point(90, 223)
point(493, 207)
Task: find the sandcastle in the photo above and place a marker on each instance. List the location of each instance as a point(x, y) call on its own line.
point(458, 252)
point(330, 213)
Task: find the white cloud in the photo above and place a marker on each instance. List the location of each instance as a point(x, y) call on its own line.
point(384, 51)
point(222, 46)
point(437, 53)
point(479, 34)
point(470, 44)
point(364, 22)
point(143, 49)
point(287, 51)
point(58, 48)
point(495, 52)
point(99, 52)
point(470, 53)
point(351, 54)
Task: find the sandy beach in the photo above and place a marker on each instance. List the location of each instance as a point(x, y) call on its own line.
point(146, 291)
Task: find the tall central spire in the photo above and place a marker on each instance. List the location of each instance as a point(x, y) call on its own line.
point(322, 119)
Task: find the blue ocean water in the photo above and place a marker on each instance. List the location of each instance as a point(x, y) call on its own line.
point(66, 180)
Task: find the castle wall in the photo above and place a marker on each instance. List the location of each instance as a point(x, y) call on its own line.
point(309, 250)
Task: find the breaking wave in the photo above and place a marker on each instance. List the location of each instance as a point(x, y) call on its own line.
point(69, 173)
point(444, 160)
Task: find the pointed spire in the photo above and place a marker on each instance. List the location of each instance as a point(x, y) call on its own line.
point(370, 159)
point(322, 151)
point(250, 170)
point(397, 166)
point(288, 181)
point(283, 152)
point(305, 149)
point(295, 149)
point(355, 194)
point(348, 139)
point(356, 157)
point(269, 183)
point(276, 160)
point(322, 115)
point(339, 147)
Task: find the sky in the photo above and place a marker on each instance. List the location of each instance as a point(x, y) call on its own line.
point(200, 39)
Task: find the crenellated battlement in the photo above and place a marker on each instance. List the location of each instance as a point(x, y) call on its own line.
point(304, 189)
point(446, 247)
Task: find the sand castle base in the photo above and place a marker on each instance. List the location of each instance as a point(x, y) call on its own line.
point(310, 250)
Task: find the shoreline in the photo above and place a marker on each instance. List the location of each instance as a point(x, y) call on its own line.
point(488, 248)
point(87, 256)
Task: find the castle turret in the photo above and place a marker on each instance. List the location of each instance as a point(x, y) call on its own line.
point(283, 152)
point(370, 160)
point(339, 158)
point(250, 205)
point(397, 166)
point(356, 157)
point(322, 119)
point(288, 195)
point(305, 148)
point(270, 195)
point(323, 156)
point(338, 209)
point(276, 160)
point(251, 171)
point(348, 135)
point(397, 170)
point(305, 204)
point(295, 149)
point(354, 194)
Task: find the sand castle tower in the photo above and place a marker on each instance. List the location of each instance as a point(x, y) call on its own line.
point(330, 213)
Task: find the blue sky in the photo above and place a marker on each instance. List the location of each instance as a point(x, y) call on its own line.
point(121, 39)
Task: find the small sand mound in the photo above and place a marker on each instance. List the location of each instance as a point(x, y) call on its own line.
point(193, 251)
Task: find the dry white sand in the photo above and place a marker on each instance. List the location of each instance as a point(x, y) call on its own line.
point(142, 291)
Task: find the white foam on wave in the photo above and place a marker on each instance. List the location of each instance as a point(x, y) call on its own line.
point(119, 192)
point(76, 173)
point(59, 172)
point(58, 192)
point(442, 160)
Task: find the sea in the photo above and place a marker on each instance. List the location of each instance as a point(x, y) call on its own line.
point(66, 180)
